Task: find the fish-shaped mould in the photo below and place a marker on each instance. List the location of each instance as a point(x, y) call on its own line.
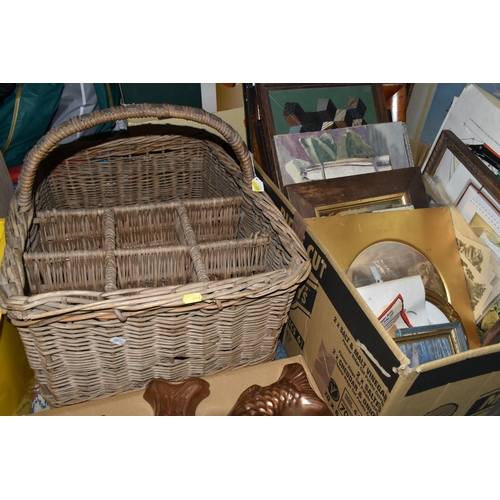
point(290, 395)
point(176, 398)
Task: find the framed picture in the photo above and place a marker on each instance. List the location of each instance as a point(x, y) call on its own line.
point(456, 167)
point(342, 152)
point(398, 240)
point(428, 343)
point(297, 108)
point(359, 193)
point(459, 178)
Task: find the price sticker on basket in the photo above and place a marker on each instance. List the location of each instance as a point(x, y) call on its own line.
point(117, 340)
point(257, 185)
point(191, 298)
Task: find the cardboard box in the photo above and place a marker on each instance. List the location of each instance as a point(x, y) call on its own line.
point(225, 389)
point(356, 364)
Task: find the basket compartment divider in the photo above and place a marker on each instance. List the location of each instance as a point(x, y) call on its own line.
point(109, 247)
point(189, 236)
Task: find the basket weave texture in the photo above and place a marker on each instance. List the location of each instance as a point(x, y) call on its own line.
point(144, 257)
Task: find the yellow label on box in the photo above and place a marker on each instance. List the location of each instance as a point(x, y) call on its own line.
point(190, 298)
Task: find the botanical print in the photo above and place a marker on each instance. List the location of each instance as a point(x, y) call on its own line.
point(472, 254)
point(476, 290)
point(475, 262)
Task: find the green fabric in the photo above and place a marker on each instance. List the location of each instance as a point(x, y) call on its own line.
point(105, 101)
point(37, 105)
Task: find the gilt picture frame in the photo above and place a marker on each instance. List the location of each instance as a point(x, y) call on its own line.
point(429, 231)
point(431, 342)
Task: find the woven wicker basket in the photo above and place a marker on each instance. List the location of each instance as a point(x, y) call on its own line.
point(144, 257)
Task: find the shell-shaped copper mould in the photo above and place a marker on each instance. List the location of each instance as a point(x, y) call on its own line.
point(176, 398)
point(290, 395)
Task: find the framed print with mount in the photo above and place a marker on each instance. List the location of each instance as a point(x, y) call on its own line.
point(457, 177)
point(359, 193)
point(310, 107)
point(455, 166)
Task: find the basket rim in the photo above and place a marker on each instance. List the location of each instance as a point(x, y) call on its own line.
point(34, 308)
point(123, 112)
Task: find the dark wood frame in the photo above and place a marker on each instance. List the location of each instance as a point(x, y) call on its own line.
point(264, 123)
point(448, 141)
point(329, 196)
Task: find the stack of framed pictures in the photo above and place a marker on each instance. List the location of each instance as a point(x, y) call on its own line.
point(455, 176)
point(332, 150)
point(281, 109)
point(317, 142)
point(381, 251)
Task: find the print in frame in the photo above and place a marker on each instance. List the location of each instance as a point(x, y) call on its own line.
point(342, 152)
point(455, 175)
point(359, 193)
point(296, 108)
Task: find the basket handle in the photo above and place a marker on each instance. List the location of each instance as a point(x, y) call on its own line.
point(89, 120)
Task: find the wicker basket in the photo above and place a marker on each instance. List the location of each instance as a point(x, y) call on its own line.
point(144, 257)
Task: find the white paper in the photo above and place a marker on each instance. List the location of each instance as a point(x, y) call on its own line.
point(379, 296)
point(474, 117)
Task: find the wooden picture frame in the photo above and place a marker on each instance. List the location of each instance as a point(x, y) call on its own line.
point(310, 102)
point(457, 176)
point(359, 193)
point(448, 141)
